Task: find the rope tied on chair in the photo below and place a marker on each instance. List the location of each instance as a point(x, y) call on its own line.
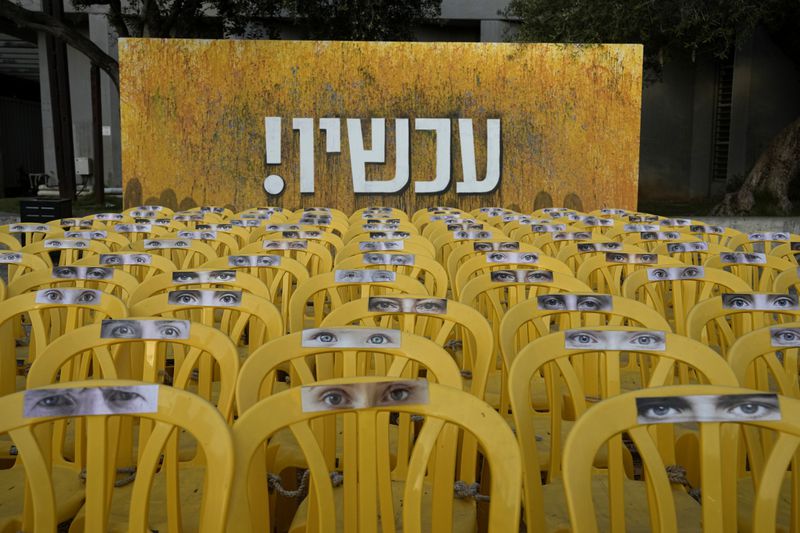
point(453, 345)
point(275, 483)
point(677, 474)
point(466, 374)
point(462, 490)
point(130, 470)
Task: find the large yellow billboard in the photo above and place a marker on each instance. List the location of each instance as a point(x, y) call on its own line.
point(352, 124)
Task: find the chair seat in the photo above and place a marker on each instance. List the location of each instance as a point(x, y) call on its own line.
point(464, 511)
point(745, 500)
point(637, 516)
point(68, 488)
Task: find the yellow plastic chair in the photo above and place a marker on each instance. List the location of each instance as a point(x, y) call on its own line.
point(444, 244)
point(714, 325)
point(315, 257)
point(121, 284)
point(673, 299)
point(176, 409)
point(331, 241)
point(374, 491)
point(20, 263)
point(574, 254)
point(251, 322)
point(652, 240)
point(140, 265)
point(760, 276)
point(9, 242)
point(222, 243)
point(787, 279)
point(184, 253)
point(763, 360)
point(690, 253)
point(423, 268)
point(239, 233)
point(470, 249)
point(483, 264)
point(68, 250)
point(25, 233)
point(186, 279)
point(712, 234)
point(114, 241)
point(603, 274)
point(760, 241)
point(784, 251)
point(718, 448)
point(405, 246)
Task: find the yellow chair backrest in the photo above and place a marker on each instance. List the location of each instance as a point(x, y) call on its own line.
point(467, 250)
point(361, 230)
point(492, 261)
point(367, 483)
point(421, 267)
point(760, 275)
point(221, 278)
point(140, 265)
point(606, 272)
point(766, 359)
point(25, 233)
point(691, 253)
point(184, 253)
point(68, 250)
point(20, 263)
point(405, 246)
point(331, 241)
point(760, 241)
point(315, 257)
point(787, 279)
point(574, 254)
point(120, 284)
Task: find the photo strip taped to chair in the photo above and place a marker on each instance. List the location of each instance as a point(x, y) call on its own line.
point(743, 258)
point(575, 302)
point(240, 261)
point(375, 220)
point(133, 228)
point(676, 222)
point(592, 221)
point(709, 230)
point(380, 246)
point(84, 401)
point(612, 211)
point(488, 246)
point(138, 213)
point(212, 209)
point(91, 235)
point(707, 408)
point(781, 337)
point(640, 219)
point(204, 276)
point(156, 244)
point(282, 227)
point(632, 259)
point(639, 341)
point(388, 259)
point(683, 247)
point(66, 244)
point(161, 222)
point(521, 276)
point(378, 226)
point(10, 257)
point(389, 235)
point(675, 273)
point(659, 235)
point(206, 297)
point(512, 257)
point(68, 296)
point(224, 228)
point(346, 338)
point(311, 234)
point(777, 236)
point(586, 247)
point(148, 329)
point(246, 222)
point(761, 301)
point(126, 259)
point(29, 228)
point(572, 236)
point(91, 273)
point(316, 398)
point(108, 216)
point(639, 228)
point(548, 228)
point(402, 304)
point(197, 235)
point(75, 222)
point(464, 226)
point(187, 217)
point(284, 245)
point(364, 276)
point(467, 235)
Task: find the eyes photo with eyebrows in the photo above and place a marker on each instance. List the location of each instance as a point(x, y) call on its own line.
point(681, 247)
point(81, 401)
point(380, 246)
point(10, 257)
point(350, 338)
point(768, 236)
point(316, 398)
point(512, 257)
point(708, 408)
point(284, 245)
point(640, 341)
point(641, 259)
point(675, 273)
point(211, 298)
point(205, 276)
point(66, 243)
point(87, 273)
point(68, 296)
point(639, 228)
point(548, 228)
point(744, 258)
point(490, 246)
point(96, 234)
point(240, 261)
point(390, 304)
point(521, 276)
point(572, 236)
point(125, 259)
point(145, 329)
point(761, 302)
point(389, 235)
point(166, 243)
point(364, 276)
point(784, 337)
point(388, 259)
point(575, 302)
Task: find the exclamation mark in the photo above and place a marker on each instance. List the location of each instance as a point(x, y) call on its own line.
point(273, 183)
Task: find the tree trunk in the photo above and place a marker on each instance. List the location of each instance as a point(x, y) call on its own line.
point(768, 182)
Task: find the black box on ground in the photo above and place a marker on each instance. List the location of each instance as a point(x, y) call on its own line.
point(44, 209)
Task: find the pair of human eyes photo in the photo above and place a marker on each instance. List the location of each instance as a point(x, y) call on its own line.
point(108, 216)
point(285, 245)
point(166, 243)
point(490, 246)
point(382, 304)
point(521, 276)
point(512, 257)
point(144, 329)
point(639, 228)
point(615, 340)
point(388, 245)
point(784, 336)
point(10, 257)
point(212, 209)
point(708, 408)
point(763, 302)
point(687, 247)
point(125, 259)
point(631, 258)
point(133, 228)
point(574, 302)
point(743, 257)
point(363, 395)
point(389, 259)
point(211, 276)
point(389, 235)
point(20, 228)
point(350, 338)
point(86, 234)
point(576, 236)
point(364, 275)
point(68, 296)
point(79, 401)
point(768, 237)
point(208, 298)
point(90, 273)
point(198, 235)
point(540, 228)
point(655, 236)
point(55, 243)
point(658, 274)
point(472, 235)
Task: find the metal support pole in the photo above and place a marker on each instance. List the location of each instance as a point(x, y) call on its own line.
point(98, 170)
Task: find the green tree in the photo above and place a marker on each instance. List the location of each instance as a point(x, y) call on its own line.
point(667, 27)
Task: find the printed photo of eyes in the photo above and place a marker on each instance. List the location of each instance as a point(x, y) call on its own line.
point(28, 228)
point(388, 259)
point(389, 235)
point(203, 276)
point(548, 228)
point(316, 221)
point(144, 214)
point(154, 244)
point(364, 276)
point(681, 247)
point(198, 235)
point(133, 228)
point(108, 216)
point(66, 244)
point(675, 273)
point(784, 337)
point(96, 234)
point(240, 261)
point(209, 298)
point(303, 235)
point(464, 235)
point(572, 236)
point(150, 208)
point(512, 257)
point(639, 228)
point(245, 222)
point(425, 306)
point(639, 259)
point(68, 296)
point(316, 398)
point(284, 245)
point(380, 227)
point(594, 221)
point(575, 302)
point(145, 329)
point(125, 259)
point(81, 401)
point(760, 302)
point(88, 273)
point(389, 221)
point(774, 236)
point(707, 408)
point(743, 258)
point(350, 338)
point(212, 209)
point(10, 257)
point(521, 276)
point(162, 222)
point(491, 246)
point(639, 341)
point(380, 246)
point(187, 218)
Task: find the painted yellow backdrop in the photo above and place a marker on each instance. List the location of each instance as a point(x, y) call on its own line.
point(193, 119)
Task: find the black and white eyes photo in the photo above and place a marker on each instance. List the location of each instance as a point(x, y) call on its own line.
point(389, 259)
point(472, 235)
point(125, 259)
point(572, 236)
point(210, 298)
point(350, 338)
point(66, 244)
point(68, 296)
point(145, 329)
point(81, 401)
point(316, 398)
point(521, 276)
point(389, 235)
point(682, 247)
point(364, 276)
point(28, 228)
point(367, 246)
point(744, 258)
point(760, 302)
point(151, 244)
point(639, 228)
point(548, 228)
point(108, 216)
point(284, 245)
point(578, 339)
point(391, 304)
point(313, 234)
point(587, 247)
point(675, 273)
point(87, 273)
point(784, 337)
point(707, 408)
point(96, 234)
point(768, 236)
point(512, 257)
point(212, 209)
point(641, 259)
point(203, 276)
point(490, 246)
point(10, 257)
point(575, 302)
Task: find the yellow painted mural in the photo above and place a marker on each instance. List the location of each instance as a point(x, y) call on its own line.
point(352, 124)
